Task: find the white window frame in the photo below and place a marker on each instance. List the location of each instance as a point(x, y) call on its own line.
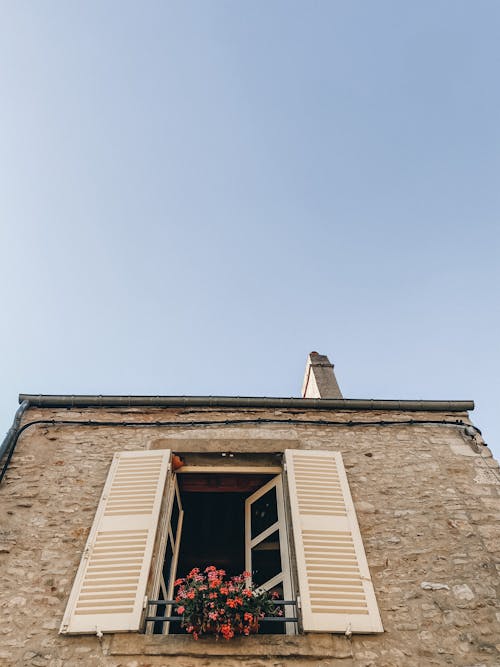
point(280, 525)
point(165, 534)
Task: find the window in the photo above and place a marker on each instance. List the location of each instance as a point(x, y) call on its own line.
point(146, 508)
point(232, 519)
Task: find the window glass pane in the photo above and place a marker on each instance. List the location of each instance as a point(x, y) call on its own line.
point(276, 627)
point(160, 611)
point(167, 563)
point(264, 512)
point(174, 520)
point(167, 574)
point(266, 559)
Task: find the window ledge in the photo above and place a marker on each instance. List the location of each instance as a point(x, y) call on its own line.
point(308, 646)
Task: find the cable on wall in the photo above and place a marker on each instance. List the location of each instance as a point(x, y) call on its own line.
point(226, 422)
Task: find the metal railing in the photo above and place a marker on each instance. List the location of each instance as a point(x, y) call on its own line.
point(173, 619)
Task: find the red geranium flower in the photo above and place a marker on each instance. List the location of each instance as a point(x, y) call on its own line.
point(225, 607)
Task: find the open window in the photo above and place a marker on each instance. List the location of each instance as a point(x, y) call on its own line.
point(234, 520)
point(153, 525)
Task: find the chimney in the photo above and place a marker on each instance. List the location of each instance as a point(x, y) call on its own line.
point(319, 378)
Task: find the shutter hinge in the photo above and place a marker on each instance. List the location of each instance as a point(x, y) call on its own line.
point(284, 466)
point(145, 602)
point(299, 603)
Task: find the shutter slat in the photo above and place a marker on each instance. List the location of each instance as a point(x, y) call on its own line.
point(110, 585)
point(334, 581)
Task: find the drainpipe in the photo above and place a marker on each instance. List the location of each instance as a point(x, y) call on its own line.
point(10, 437)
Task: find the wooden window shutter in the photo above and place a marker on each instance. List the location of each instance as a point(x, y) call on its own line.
point(110, 585)
point(334, 581)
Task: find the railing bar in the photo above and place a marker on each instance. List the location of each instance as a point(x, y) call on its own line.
point(280, 619)
point(163, 602)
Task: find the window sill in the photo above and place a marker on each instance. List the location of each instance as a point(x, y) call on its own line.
point(307, 646)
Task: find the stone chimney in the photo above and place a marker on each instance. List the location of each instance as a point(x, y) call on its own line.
point(319, 378)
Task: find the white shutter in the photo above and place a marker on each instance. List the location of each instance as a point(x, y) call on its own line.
point(110, 585)
point(334, 581)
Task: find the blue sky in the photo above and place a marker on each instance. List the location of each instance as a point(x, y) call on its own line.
point(194, 195)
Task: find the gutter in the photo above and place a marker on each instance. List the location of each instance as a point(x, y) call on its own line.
point(89, 401)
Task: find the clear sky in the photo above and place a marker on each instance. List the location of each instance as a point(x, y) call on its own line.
point(194, 195)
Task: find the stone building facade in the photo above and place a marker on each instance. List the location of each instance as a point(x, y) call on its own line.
point(424, 487)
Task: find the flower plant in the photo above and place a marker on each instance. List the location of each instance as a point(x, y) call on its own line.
point(210, 603)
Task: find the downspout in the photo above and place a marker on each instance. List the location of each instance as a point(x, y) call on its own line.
point(10, 437)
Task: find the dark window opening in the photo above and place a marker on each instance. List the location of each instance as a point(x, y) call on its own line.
point(213, 532)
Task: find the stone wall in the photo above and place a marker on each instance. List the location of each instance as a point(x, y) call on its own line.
point(427, 500)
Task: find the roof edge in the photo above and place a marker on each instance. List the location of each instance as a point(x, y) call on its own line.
point(88, 401)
